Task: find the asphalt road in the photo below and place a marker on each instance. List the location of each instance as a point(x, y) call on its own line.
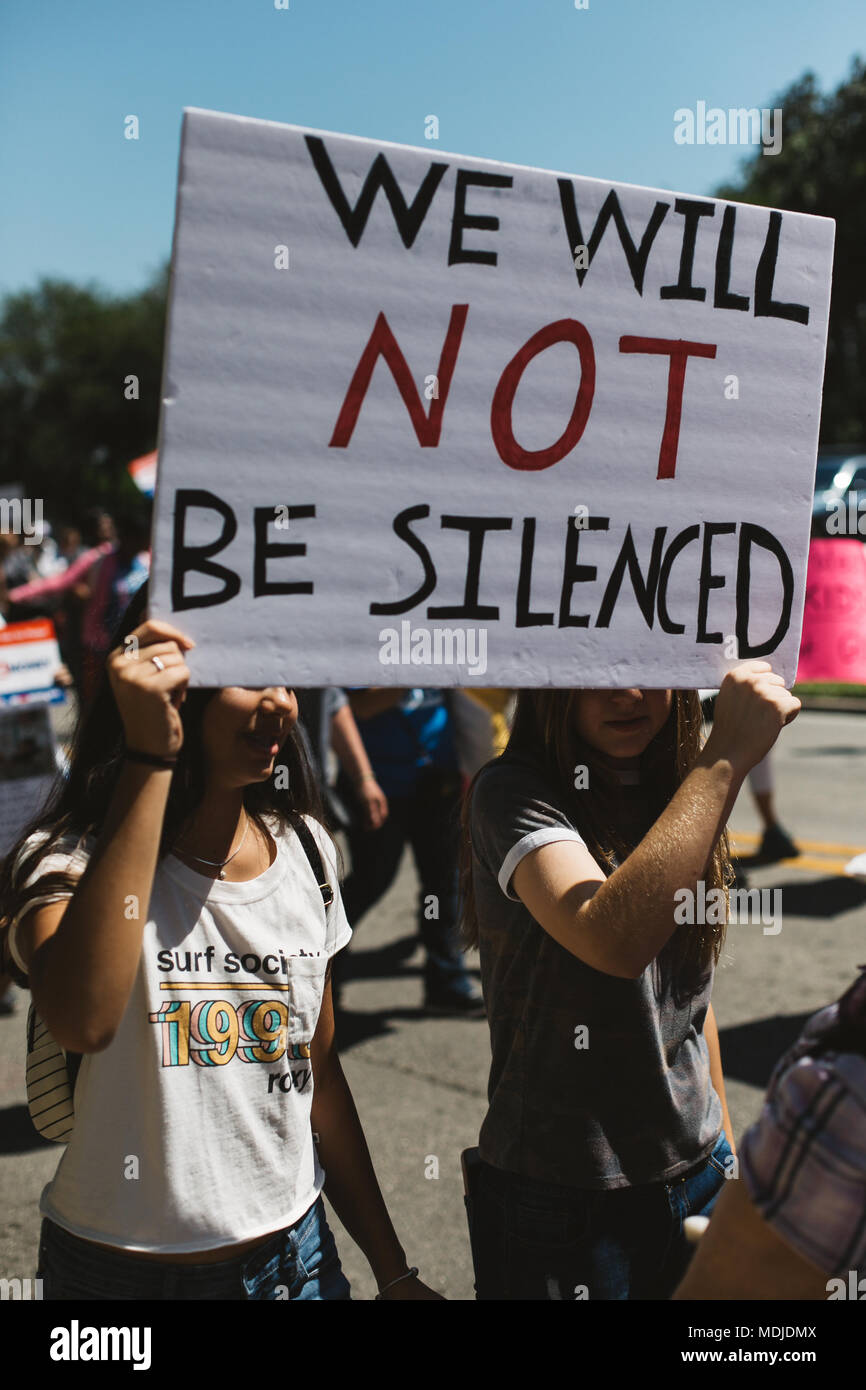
point(420, 1083)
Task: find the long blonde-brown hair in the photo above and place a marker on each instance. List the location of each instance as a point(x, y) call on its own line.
point(545, 731)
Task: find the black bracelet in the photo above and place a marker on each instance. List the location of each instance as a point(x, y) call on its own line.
point(132, 755)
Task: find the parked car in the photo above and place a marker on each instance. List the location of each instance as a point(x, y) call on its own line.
point(839, 503)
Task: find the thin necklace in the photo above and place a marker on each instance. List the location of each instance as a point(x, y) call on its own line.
point(221, 863)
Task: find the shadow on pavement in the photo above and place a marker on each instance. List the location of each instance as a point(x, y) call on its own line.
point(17, 1135)
point(820, 897)
point(750, 1051)
point(824, 897)
point(353, 1027)
point(382, 962)
point(379, 963)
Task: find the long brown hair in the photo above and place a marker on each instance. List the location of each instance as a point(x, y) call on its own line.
point(79, 801)
point(544, 731)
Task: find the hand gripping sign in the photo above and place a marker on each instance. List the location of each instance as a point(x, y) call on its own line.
point(443, 421)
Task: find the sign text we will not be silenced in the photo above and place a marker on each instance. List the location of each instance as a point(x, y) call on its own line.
point(668, 262)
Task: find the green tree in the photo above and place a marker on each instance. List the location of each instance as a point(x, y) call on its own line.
point(821, 169)
point(68, 425)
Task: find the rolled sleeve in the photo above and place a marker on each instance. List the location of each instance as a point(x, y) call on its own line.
point(512, 814)
point(69, 856)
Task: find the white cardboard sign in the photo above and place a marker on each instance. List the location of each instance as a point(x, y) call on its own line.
point(434, 420)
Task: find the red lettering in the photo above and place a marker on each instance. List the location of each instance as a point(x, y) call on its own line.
point(383, 344)
point(679, 351)
point(563, 331)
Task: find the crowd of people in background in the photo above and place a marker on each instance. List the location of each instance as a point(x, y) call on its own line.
point(82, 577)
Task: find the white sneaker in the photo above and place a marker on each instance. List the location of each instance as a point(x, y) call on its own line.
point(856, 867)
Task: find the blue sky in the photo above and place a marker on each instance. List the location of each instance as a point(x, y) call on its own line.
point(539, 82)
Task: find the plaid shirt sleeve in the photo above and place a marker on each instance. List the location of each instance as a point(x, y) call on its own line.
point(804, 1161)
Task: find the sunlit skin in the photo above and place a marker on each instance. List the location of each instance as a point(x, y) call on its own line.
point(242, 732)
point(621, 724)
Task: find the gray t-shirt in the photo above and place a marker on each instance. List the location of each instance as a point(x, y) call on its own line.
point(635, 1104)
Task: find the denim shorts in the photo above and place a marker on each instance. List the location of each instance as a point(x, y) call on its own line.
point(536, 1241)
point(300, 1262)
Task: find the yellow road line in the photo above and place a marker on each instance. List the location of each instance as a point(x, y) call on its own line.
point(807, 862)
point(748, 837)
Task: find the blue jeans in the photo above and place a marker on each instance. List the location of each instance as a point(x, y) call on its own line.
point(533, 1240)
point(300, 1262)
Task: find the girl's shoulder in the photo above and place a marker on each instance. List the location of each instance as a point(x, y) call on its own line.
point(287, 837)
point(33, 877)
point(514, 796)
point(513, 775)
point(66, 854)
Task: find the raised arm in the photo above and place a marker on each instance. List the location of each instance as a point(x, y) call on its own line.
point(620, 924)
point(59, 583)
point(82, 954)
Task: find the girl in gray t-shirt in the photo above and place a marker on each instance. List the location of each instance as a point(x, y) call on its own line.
point(595, 885)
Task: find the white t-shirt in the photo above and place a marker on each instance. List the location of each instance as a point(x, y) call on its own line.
point(192, 1129)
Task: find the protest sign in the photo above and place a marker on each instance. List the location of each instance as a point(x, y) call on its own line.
point(834, 625)
point(29, 658)
point(435, 420)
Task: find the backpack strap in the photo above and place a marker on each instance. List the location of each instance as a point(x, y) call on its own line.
point(311, 849)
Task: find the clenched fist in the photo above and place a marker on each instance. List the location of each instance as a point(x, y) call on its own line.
point(752, 708)
point(149, 677)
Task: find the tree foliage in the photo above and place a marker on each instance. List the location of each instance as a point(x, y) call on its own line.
point(821, 169)
point(68, 424)
point(68, 428)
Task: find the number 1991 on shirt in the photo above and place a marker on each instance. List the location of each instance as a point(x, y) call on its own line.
point(214, 1031)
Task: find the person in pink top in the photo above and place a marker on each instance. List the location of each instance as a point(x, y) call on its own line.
point(61, 582)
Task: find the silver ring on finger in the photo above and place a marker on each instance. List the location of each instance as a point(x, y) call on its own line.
point(160, 665)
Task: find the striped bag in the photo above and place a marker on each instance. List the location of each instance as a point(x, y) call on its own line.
point(51, 1072)
point(51, 1077)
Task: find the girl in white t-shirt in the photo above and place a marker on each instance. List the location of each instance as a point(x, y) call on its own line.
point(173, 932)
